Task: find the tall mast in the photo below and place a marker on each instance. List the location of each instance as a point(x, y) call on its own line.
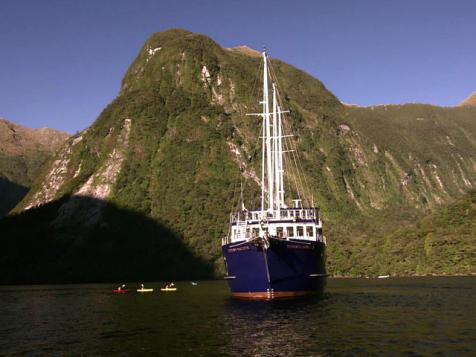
point(263, 151)
point(269, 170)
point(280, 160)
point(275, 150)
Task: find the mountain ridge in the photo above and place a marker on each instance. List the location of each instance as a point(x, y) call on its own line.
point(23, 153)
point(16, 139)
point(469, 100)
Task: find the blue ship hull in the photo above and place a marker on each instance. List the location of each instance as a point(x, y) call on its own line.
point(285, 269)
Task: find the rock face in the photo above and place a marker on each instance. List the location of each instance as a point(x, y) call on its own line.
point(175, 144)
point(23, 154)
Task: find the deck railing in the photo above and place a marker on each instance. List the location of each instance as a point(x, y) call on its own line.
point(294, 214)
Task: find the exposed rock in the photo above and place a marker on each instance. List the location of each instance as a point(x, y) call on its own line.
point(237, 157)
point(344, 128)
point(54, 180)
point(348, 187)
point(359, 155)
point(205, 75)
point(150, 52)
point(449, 140)
point(406, 178)
point(99, 185)
point(217, 97)
point(153, 51)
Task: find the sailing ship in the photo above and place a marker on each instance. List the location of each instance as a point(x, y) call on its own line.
point(275, 251)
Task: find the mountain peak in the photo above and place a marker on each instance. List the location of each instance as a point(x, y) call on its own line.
point(246, 50)
point(470, 100)
point(16, 139)
point(175, 35)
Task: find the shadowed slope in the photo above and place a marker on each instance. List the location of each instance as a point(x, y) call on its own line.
point(10, 194)
point(36, 247)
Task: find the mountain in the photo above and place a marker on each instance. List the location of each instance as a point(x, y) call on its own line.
point(23, 154)
point(172, 148)
point(470, 100)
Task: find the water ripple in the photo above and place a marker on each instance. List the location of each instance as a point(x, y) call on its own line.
point(415, 316)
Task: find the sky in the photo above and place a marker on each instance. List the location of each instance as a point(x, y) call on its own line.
point(62, 61)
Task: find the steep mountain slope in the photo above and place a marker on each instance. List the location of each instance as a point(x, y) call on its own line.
point(406, 160)
point(23, 153)
point(175, 143)
point(414, 153)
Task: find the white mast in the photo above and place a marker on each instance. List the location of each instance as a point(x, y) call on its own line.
point(265, 90)
point(268, 134)
point(241, 197)
point(272, 149)
point(280, 161)
point(276, 151)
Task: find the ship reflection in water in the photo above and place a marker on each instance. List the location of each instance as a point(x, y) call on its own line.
point(277, 328)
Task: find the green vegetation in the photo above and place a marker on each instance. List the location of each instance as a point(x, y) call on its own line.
point(441, 242)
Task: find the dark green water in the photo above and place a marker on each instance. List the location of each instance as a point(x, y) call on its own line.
point(407, 316)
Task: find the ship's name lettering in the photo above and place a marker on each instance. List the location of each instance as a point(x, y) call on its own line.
point(296, 246)
point(238, 249)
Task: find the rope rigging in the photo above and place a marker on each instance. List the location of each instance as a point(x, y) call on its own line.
point(290, 155)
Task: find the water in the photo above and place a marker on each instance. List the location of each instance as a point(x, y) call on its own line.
point(410, 316)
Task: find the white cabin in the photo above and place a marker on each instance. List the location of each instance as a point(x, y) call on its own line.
point(288, 224)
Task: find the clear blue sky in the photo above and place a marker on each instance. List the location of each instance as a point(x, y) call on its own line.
point(61, 61)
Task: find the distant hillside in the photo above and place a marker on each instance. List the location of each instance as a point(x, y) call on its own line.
point(470, 100)
point(174, 145)
point(23, 154)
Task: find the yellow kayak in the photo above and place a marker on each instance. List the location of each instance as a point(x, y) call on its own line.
point(168, 289)
point(145, 290)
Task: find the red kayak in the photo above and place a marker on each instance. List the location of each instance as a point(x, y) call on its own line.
point(120, 291)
